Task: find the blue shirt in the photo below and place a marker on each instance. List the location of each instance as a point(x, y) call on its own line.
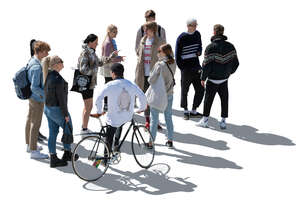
point(35, 76)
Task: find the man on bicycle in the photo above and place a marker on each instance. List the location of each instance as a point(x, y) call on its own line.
point(121, 94)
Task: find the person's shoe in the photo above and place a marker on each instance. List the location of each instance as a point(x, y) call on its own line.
point(85, 133)
point(195, 115)
point(186, 116)
point(56, 162)
point(222, 124)
point(105, 108)
point(169, 144)
point(67, 156)
point(149, 145)
point(37, 155)
point(203, 122)
point(38, 148)
point(147, 125)
point(159, 127)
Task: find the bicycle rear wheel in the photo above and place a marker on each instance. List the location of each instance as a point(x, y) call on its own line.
point(93, 157)
point(142, 155)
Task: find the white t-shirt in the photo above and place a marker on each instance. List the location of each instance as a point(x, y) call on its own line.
point(147, 55)
point(119, 112)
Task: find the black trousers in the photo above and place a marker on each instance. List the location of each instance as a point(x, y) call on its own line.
point(211, 90)
point(111, 132)
point(107, 79)
point(189, 77)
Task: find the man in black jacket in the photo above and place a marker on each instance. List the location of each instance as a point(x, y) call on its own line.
point(220, 61)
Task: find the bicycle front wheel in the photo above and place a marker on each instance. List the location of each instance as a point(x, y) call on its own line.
point(93, 157)
point(143, 156)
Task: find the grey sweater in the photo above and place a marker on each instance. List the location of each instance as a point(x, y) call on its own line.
point(161, 66)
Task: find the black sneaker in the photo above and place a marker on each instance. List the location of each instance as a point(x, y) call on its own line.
point(159, 128)
point(197, 115)
point(56, 162)
point(149, 146)
point(67, 156)
point(186, 116)
point(41, 138)
point(169, 144)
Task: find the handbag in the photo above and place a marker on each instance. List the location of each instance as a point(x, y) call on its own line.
point(81, 82)
point(157, 95)
point(67, 138)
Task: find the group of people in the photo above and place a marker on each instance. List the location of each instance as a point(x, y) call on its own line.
point(156, 63)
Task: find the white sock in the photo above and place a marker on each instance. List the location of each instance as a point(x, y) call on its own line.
point(186, 111)
point(205, 119)
point(194, 111)
point(223, 119)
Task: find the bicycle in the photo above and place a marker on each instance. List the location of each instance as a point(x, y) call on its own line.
point(94, 158)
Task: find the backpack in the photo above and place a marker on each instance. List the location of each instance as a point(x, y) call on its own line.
point(158, 29)
point(124, 100)
point(22, 83)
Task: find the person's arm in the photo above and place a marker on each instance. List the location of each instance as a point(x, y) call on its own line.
point(84, 64)
point(62, 99)
point(178, 51)
point(138, 40)
point(199, 52)
point(155, 73)
point(100, 98)
point(36, 74)
point(105, 60)
point(235, 61)
point(142, 98)
point(207, 63)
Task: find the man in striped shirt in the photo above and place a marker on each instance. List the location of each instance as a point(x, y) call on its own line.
point(187, 52)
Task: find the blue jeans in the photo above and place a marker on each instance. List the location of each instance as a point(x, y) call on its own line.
point(168, 118)
point(56, 120)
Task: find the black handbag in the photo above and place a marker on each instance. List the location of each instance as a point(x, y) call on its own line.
point(81, 82)
point(67, 138)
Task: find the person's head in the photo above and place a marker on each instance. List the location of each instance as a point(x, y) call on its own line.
point(92, 41)
point(218, 29)
point(52, 63)
point(165, 50)
point(41, 49)
point(32, 46)
point(112, 31)
point(191, 25)
point(117, 70)
point(150, 29)
point(150, 16)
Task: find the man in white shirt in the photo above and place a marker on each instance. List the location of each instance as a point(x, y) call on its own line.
point(121, 94)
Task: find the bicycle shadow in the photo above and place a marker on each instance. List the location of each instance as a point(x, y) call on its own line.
point(191, 138)
point(153, 181)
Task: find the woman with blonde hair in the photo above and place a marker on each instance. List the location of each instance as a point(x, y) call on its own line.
point(166, 67)
point(56, 109)
point(108, 47)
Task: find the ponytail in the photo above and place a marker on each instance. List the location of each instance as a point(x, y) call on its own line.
point(167, 49)
point(45, 65)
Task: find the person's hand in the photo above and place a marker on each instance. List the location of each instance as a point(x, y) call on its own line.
point(198, 54)
point(203, 83)
point(114, 54)
point(122, 58)
point(67, 119)
point(97, 115)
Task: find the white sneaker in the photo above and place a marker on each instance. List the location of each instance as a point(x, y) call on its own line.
point(222, 124)
point(203, 122)
point(37, 155)
point(85, 133)
point(39, 148)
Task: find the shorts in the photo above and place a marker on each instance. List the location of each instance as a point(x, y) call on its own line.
point(87, 94)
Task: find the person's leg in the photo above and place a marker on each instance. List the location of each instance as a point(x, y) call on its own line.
point(36, 119)
point(223, 93)
point(199, 91)
point(110, 135)
point(88, 105)
point(168, 118)
point(154, 122)
point(118, 135)
point(210, 93)
point(53, 132)
point(28, 122)
point(185, 85)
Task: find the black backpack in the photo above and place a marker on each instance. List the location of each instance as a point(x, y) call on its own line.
point(158, 29)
